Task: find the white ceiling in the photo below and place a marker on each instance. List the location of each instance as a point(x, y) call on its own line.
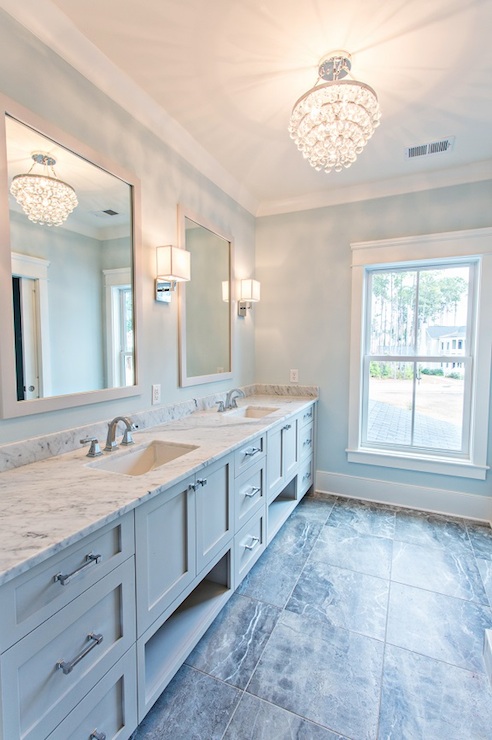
point(229, 71)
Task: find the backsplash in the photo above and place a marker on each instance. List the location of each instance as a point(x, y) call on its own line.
point(27, 451)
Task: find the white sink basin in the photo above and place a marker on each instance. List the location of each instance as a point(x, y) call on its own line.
point(251, 412)
point(142, 459)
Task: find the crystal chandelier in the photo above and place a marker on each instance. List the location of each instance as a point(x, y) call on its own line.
point(44, 198)
point(332, 122)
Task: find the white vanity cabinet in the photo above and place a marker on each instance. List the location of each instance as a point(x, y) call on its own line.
point(82, 629)
point(91, 637)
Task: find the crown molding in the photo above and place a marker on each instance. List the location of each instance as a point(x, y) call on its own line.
point(475, 172)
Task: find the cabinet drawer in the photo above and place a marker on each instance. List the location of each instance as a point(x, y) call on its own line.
point(249, 543)
point(306, 439)
point(305, 478)
point(306, 416)
point(249, 493)
point(109, 710)
point(37, 594)
point(49, 671)
point(248, 455)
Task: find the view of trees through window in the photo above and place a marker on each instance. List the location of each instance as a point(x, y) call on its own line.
point(417, 359)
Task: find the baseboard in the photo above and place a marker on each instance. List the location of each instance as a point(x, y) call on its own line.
point(453, 503)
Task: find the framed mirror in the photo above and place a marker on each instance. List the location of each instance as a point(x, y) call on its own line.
point(68, 259)
point(205, 305)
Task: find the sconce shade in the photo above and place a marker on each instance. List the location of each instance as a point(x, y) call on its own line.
point(250, 291)
point(173, 264)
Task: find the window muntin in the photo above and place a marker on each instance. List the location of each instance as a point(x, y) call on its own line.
point(416, 392)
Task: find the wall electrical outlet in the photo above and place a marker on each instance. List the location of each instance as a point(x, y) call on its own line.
point(294, 376)
point(156, 393)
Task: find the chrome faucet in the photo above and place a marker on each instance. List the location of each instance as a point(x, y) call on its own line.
point(230, 402)
point(127, 439)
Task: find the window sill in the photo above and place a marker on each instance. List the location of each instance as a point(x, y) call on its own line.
point(439, 466)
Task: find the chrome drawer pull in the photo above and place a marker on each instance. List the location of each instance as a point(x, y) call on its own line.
point(252, 451)
point(253, 543)
point(95, 735)
point(287, 426)
point(308, 415)
point(199, 482)
point(68, 667)
point(254, 490)
point(307, 442)
point(65, 577)
point(306, 476)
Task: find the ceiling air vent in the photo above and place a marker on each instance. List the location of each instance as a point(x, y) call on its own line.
point(435, 147)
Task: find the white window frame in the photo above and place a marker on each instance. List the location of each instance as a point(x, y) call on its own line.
point(470, 244)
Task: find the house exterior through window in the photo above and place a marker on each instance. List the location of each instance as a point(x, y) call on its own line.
point(420, 353)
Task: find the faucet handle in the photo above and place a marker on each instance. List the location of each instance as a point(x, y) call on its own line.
point(221, 406)
point(128, 437)
point(94, 449)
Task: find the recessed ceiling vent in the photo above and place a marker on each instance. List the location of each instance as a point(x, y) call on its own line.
point(435, 147)
point(106, 212)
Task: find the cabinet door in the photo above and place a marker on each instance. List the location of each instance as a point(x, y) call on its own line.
point(214, 516)
point(290, 449)
point(274, 461)
point(165, 550)
point(282, 456)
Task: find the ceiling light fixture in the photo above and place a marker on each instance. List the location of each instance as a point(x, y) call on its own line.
point(332, 122)
point(44, 198)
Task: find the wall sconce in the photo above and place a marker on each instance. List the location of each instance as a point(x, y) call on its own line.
point(173, 266)
point(249, 293)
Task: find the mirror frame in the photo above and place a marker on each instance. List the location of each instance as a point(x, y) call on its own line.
point(184, 379)
point(10, 407)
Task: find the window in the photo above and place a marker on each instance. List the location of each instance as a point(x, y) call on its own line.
point(420, 353)
point(409, 401)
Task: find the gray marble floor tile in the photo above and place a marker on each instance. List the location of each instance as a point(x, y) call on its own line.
point(323, 673)
point(315, 506)
point(485, 569)
point(426, 698)
point(193, 707)
point(441, 627)
point(364, 517)
point(231, 647)
point(438, 569)
point(255, 719)
point(346, 548)
point(481, 539)
point(422, 528)
point(273, 577)
point(341, 597)
point(297, 536)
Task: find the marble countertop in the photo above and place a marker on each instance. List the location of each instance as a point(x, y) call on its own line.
point(50, 504)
